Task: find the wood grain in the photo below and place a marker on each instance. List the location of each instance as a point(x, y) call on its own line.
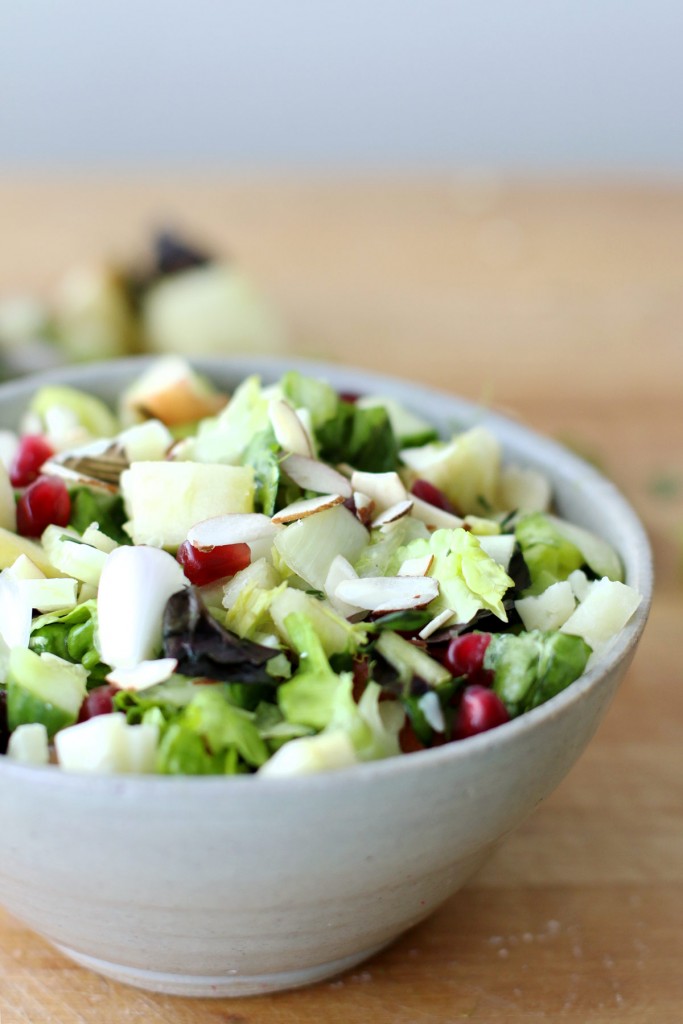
point(562, 304)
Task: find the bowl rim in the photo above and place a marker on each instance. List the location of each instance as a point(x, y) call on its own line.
point(348, 377)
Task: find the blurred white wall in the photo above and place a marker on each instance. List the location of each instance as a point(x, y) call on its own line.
point(517, 85)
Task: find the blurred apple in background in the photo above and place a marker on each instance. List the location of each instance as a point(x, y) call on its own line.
point(181, 300)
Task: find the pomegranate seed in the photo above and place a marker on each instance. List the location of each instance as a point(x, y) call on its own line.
point(44, 502)
point(202, 567)
point(349, 396)
point(480, 709)
point(465, 657)
point(32, 452)
point(428, 492)
point(99, 701)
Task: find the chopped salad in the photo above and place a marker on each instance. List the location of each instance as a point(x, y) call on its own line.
point(280, 581)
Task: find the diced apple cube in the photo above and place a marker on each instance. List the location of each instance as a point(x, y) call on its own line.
point(28, 744)
point(171, 391)
point(467, 469)
point(107, 745)
point(326, 752)
point(605, 610)
point(165, 499)
point(548, 610)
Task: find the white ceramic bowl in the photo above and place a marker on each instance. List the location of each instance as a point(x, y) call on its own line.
point(231, 886)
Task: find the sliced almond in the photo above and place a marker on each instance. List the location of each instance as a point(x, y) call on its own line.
point(440, 620)
point(388, 593)
point(385, 489)
point(76, 476)
point(307, 507)
point(364, 506)
point(394, 512)
point(416, 566)
point(339, 571)
point(144, 675)
point(103, 460)
point(436, 518)
point(290, 432)
point(313, 475)
point(232, 528)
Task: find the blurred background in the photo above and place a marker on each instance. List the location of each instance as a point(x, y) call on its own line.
point(339, 180)
point(530, 88)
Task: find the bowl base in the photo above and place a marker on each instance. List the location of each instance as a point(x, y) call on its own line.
point(218, 986)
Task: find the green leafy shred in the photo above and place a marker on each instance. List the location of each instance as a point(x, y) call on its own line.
point(548, 555)
point(530, 668)
point(317, 396)
point(71, 636)
point(361, 437)
point(89, 506)
point(469, 579)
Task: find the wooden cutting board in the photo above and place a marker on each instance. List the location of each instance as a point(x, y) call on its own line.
point(564, 306)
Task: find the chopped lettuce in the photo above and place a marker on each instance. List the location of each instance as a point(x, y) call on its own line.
point(314, 694)
point(250, 615)
point(210, 736)
point(166, 698)
point(91, 506)
point(262, 453)
point(336, 634)
point(379, 558)
point(71, 636)
point(317, 396)
point(322, 699)
point(361, 437)
point(530, 668)
point(549, 555)
point(469, 579)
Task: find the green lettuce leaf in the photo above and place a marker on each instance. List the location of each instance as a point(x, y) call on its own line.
point(361, 437)
point(90, 506)
point(530, 668)
point(71, 636)
point(548, 554)
point(211, 736)
point(378, 558)
point(469, 579)
point(315, 693)
point(222, 726)
point(317, 396)
point(263, 455)
point(167, 698)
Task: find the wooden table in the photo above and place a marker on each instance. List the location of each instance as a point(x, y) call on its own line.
point(563, 305)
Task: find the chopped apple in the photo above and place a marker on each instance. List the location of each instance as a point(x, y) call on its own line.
point(549, 610)
point(603, 613)
point(467, 469)
point(106, 745)
point(164, 500)
point(12, 546)
point(171, 391)
point(28, 744)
